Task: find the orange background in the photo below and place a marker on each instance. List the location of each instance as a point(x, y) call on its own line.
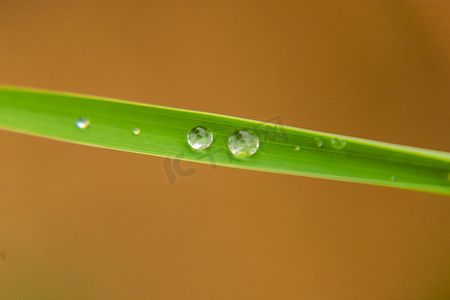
point(86, 223)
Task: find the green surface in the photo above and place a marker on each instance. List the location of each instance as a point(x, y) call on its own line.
point(282, 149)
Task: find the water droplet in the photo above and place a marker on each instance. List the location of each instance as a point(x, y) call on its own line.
point(318, 142)
point(393, 178)
point(82, 122)
point(136, 131)
point(338, 143)
point(297, 148)
point(243, 144)
point(199, 138)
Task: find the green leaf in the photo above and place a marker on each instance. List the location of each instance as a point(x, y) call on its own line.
point(163, 133)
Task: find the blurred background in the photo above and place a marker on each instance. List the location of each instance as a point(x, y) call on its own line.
point(86, 223)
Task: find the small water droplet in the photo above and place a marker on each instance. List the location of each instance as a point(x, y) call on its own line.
point(393, 178)
point(297, 148)
point(82, 122)
point(318, 142)
point(243, 144)
point(338, 143)
point(199, 138)
point(136, 131)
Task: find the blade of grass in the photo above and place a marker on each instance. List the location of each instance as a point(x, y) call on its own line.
point(163, 133)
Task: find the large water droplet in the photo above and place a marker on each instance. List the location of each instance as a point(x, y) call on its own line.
point(338, 143)
point(243, 144)
point(318, 142)
point(136, 131)
point(199, 138)
point(82, 122)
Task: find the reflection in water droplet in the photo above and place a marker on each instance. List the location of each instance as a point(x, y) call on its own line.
point(82, 122)
point(243, 144)
point(136, 131)
point(199, 138)
point(338, 143)
point(393, 178)
point(318, 142)
point(297, 148)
